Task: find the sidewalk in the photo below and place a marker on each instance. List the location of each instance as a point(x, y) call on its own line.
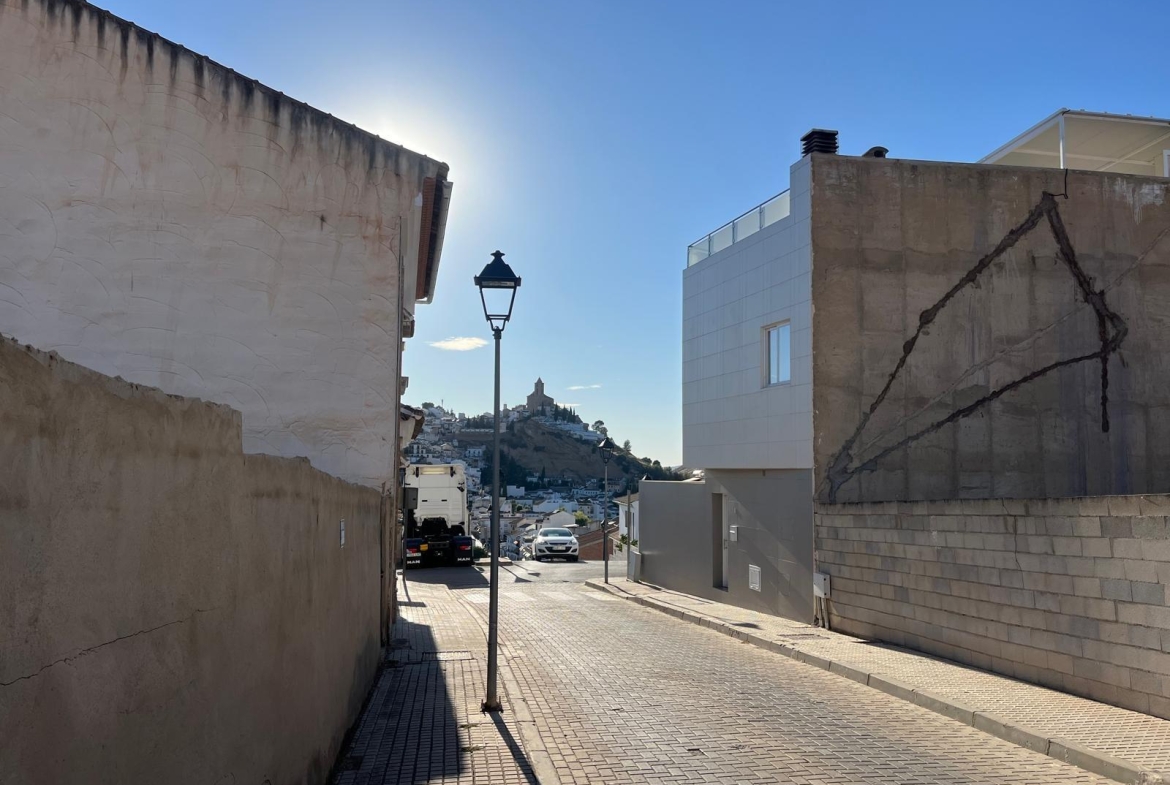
point(423, 723)
point(1108, 741)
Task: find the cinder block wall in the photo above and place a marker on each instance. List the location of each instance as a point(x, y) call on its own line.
point(1068, 593)
point(171, 609)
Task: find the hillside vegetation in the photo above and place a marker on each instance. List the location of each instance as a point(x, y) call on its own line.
point(531, 448)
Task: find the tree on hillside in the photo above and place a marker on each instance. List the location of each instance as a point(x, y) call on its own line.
point(580, 518)
point(599, 426)
point(626, 446)
point(428, 404)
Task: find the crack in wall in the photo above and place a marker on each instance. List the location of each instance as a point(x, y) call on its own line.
point(1111, 332)
point(92, 649)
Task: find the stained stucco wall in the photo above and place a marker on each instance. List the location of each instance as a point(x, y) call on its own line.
point(960, 318)
point(167, 220)
point(172, 609)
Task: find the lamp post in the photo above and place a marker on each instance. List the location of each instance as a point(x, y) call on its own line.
point(607, 448)
point(498, 283)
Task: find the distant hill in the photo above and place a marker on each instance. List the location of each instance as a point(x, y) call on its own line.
point(530, 448)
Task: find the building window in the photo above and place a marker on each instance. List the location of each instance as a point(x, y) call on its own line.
point(778, 358)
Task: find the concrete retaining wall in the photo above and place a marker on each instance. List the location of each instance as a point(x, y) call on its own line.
point(950, 313)
point(1069, 593)
point(173, 609)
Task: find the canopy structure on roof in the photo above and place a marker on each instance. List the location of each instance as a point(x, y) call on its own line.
point(1093, 141)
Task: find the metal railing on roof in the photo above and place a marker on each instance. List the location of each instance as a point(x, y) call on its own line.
point(755, 219)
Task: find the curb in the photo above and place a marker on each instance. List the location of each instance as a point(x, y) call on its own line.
point(1069, 752)
point(541, 762)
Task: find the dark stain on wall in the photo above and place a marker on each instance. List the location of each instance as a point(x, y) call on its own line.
point(200, 77)
point(101, 31)
point(56, 10)
point(173, 64)
point(1111, 332)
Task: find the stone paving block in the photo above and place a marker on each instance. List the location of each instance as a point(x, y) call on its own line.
point(1038, 713)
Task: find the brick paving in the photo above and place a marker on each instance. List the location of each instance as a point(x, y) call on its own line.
point(423, 723)
point(623, 694)
point(1137, 738)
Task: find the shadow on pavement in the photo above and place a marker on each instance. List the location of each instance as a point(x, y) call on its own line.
point(515, 748)
point(466, 577)
point(409, 728)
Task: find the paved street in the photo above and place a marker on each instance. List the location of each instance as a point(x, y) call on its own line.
point(623, 694)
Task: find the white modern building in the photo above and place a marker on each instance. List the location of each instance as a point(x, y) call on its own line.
point(843, 249)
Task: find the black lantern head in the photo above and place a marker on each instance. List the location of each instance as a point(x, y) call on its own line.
point(608, 447)
point(498, 284)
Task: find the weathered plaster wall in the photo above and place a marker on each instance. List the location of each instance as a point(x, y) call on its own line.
point(167, 220)
point(1069, 593)
point(961, 314)
point(173, 609)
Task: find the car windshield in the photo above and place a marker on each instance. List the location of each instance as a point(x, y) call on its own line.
point(555, 533)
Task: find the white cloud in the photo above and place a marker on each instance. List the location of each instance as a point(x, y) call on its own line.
point(585, 387)
point(568, 405)
point(460, 344)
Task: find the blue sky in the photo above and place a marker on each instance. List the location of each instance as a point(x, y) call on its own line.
point(592, 141)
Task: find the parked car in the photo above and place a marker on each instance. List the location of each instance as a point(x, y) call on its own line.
point(551, 543)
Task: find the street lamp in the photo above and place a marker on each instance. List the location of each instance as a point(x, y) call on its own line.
point(498, 284)
point(607, 448)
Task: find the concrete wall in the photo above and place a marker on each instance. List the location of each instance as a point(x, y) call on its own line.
point(972, 255)
point(731, 418)
point(174, 610)
point(169, 221)
point(1069, 593)
point(681, 538)
point(676, 543)
point(773, 513)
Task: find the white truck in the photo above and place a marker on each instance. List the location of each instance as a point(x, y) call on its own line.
point(435, 516)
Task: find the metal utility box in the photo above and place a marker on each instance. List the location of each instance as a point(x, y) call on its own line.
point(820, 584)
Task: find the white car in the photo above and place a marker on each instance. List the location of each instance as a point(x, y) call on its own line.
point(550, 543)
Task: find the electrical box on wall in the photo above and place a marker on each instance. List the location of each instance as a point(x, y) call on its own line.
point(753, 577)
point(820, 584)
point(733, 533)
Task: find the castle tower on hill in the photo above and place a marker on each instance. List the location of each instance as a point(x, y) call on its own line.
point(537, 400)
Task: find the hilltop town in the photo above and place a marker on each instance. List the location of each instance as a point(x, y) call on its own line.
point(550, 470)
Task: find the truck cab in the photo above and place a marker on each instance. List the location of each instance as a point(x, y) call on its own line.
point(435, 516)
